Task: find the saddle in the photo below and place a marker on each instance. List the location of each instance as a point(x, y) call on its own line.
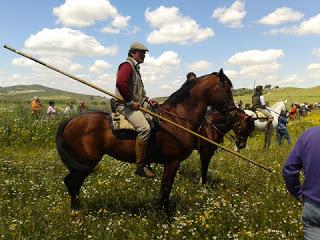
point(259, 114)
point(121, 128)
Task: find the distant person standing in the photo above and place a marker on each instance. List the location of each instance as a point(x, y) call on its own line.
point(191, 76)
point(36, 106)
point(293, 111)
point(305, 156)
point(82, 107)
point(51, 109)
point(69, 109)
point(282, 130)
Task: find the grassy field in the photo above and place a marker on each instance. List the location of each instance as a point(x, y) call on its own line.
point(240, 201)
point(298, 95)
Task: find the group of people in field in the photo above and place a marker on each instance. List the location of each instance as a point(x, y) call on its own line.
point(37, 108)
point(304, 156)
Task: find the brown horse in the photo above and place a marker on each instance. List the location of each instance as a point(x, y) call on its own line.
point(214, 127)
point(84, 139)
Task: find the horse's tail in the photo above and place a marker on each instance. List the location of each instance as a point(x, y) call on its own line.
point(69, 161)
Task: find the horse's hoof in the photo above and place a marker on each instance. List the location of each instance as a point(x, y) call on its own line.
point(204, 189)
point(75, 204)
point(76, 216)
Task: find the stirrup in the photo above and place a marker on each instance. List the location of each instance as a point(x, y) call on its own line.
point(145, 171)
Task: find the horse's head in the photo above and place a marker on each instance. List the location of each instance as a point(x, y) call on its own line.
point(243, 127)
point(220, 95)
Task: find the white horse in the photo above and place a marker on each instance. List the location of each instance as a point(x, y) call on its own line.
point(260, 124)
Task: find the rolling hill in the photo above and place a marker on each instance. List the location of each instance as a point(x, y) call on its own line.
point(25, 93)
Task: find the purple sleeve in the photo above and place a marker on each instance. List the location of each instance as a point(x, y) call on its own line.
point(292, 168)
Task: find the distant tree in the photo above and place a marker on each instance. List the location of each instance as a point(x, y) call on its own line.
point(241, 91)
point(267, 87)
point(276, 87)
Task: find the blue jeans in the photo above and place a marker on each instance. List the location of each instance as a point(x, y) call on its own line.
point(283, 133)
point(311, 220)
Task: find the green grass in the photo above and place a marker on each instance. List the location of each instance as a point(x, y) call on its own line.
point(240, 201)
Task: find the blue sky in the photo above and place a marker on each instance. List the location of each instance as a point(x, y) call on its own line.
point(273, 42)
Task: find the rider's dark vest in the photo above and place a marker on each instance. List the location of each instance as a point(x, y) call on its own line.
point(135, 83)
point(256, 101)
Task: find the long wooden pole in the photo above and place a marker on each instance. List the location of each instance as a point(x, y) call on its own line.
point(141, 108)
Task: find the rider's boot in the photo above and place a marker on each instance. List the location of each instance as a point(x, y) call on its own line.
point(142, 169)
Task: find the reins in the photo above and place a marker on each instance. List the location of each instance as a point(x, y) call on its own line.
point(176, 116)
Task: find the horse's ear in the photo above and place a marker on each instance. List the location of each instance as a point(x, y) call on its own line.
point(221, 75)
point(285, 101)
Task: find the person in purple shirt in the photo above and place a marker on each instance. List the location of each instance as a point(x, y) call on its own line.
point(305, 156)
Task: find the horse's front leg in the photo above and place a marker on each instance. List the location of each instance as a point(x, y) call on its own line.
point(169, 173)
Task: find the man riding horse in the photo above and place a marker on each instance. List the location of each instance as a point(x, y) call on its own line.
point(259, 104)
point(130, 87)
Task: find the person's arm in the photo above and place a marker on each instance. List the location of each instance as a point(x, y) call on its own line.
point(123, 76)
point(291, 170)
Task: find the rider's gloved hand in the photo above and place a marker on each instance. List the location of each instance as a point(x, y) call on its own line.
point(135, 106)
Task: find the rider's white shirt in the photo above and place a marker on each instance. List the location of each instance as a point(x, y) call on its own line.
point(263, 103)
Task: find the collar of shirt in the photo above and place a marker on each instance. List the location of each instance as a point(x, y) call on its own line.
point(136, 65)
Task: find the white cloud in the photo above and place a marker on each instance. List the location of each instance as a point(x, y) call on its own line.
point(314, 66)
point(256, 57)
point(156, 69)
point(199, 66)
point(16, 76)
point(99, 66)
point(171, 27)
point(22, 62)
point(120, 21)
point(313, 70)
point(111, 30)
point(307, 27)
point(75, 67)
point(257, 64)
point(281, 15)
point(316, 52)
point(231, 16)
point(230, 73)
point(292, 78)
point(67, 42)
point(173, 86)
point(258, 69)
point(83, 13)
point(311, 26)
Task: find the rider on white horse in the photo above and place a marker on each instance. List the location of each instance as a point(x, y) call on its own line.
point(258, 103)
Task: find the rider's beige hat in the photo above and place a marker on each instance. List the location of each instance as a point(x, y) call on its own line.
point(138, 46)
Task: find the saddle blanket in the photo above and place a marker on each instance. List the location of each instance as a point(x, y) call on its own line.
point(260, 114)
point(120, 122)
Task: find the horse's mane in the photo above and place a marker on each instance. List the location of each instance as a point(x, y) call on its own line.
point(184, 92)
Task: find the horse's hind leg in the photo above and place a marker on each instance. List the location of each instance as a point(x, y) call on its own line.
point(73, 182)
